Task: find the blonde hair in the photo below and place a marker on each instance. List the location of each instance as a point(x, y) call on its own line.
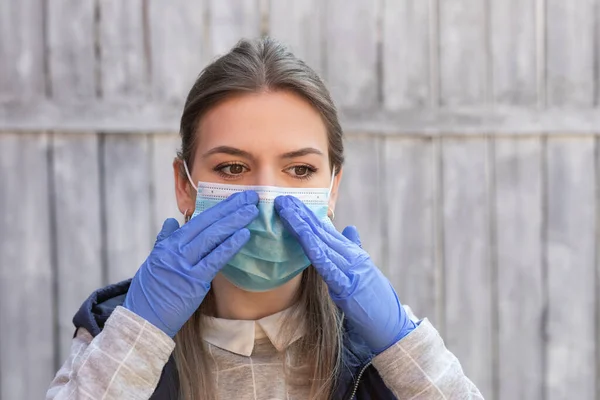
point(253, 66)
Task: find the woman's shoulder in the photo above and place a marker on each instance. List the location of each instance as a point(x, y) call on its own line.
point(96, 309)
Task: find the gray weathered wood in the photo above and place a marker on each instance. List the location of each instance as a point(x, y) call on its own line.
point(570, 255)
point(76, 182)
point(405, 58)
point(164, 151)
point(127, 117)
point(463, 71)
point(26, 311)
point(178, 47)
point(21, 50)
point(359, 201)
point(123, 51)
point(127, 214)
point(299, 25)
point(513, 52)
point(468, 291)
point(570, 51)
point(230, 21)
point(520, 284)
point(71, 59)
point(351, 51)
point(407, 169)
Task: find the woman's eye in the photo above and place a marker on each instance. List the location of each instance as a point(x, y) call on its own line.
point(301, 170)
point(235, 169)
point(231, 170)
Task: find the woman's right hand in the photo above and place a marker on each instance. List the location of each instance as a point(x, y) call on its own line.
point(172, 282)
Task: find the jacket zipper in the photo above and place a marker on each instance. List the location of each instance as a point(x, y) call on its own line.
point(357, 381)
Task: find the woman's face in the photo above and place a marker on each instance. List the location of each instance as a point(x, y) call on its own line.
point(267, 138)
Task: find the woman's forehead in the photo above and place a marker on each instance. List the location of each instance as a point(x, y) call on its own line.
point(278, 121)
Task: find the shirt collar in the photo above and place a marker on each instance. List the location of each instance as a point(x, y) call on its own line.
point(239, 336)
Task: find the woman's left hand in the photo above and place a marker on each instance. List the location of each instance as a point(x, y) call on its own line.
point(356, 285)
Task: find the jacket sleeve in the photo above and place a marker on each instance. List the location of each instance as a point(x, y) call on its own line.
point(124, 361)
point(420, 366)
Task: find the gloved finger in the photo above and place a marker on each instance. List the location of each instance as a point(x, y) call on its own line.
point(351, 233)
point(209, 266)
point(169, 226)
point(328, 234)
point(324, 259)
point(282, 202)
point(228, 206)
point(217, 233)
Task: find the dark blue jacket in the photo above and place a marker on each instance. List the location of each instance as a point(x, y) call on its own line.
point(357, 376)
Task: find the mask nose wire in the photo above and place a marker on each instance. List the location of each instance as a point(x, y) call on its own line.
point(187, 172)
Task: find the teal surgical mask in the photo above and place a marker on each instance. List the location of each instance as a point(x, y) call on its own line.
point(272, 255)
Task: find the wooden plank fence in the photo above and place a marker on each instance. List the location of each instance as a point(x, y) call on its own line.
point(473, 164)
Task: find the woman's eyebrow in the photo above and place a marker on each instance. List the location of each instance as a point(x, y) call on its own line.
point(302, 152)
point(228, 150)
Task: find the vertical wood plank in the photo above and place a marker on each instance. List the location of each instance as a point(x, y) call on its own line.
point(570, 257)
point(26, 312)
point(127, 215)
point(406, 61)
point(351, 64)
point(123, 53)
point(76, 182)
point(467, 263)
point(462, 67)
point(70, 51)
point(407, 170)
point(230, 21)
point(299, 25)
point(178, 47)
point(359, 199)
point(513, 42)
point(164, 205)
point(21, 49)
point(570, 52)
point(518, 208)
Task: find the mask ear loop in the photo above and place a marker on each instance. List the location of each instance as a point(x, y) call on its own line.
point(187, 172)
point(329, 194)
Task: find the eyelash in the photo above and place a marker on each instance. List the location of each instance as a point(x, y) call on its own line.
point(219, 169)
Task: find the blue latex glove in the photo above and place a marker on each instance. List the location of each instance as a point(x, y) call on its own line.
point(170, 285)
point(355, 284)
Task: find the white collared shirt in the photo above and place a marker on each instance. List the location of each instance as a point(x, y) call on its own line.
point(240, 336)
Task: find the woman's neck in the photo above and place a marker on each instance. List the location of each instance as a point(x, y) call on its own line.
point(232, 302)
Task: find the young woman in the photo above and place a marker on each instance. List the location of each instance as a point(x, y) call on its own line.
point(257, 296)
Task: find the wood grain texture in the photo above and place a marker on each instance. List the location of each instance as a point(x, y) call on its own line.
point(359, 201)
point(230, 21)
point(407, 170)
point(570, 52)
point(570, 253)
point(178, 47)
point(351, 65)
point(463, 73)
point(520, 285)
point(21, 50)
point(405, 58)
point(127, 214)
point(71, 59)
point(76, 182)
point(123, 53)
point(26, 311)
point(467, 258)
point(298, 24)
point(513, 52)
point(164, 149)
